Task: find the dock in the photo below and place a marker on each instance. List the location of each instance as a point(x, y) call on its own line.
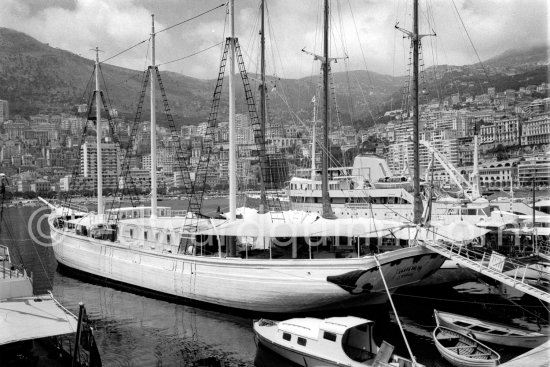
point(490, 264)
point(537, 357)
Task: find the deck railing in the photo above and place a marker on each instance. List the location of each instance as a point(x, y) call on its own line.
point(8, 269)
point(508, 271)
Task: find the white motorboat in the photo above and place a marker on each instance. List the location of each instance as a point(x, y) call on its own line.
point(335, 341)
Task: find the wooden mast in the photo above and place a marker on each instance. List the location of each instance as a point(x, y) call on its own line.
point(153, 126)
point(327, 209)
point(416, 161)
point(232, 127)
point(263, 104)
point(99, 156)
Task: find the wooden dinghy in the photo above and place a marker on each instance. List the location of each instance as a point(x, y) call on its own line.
point(491, 332)
point(462, 350)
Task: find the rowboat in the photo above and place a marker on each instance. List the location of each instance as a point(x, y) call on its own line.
point(335, 341)
point(491, 332)
point(463, 351)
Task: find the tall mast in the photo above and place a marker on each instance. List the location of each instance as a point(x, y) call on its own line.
point(327, 210)
point(153, 126)
point(475, 184)
point(416, 161)
point(263, 104)
point(232, 127)
point(314, 138)
point(100, 207)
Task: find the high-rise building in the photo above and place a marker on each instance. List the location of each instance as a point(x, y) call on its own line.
point(110, 163)
point(4, 111)
point(245, 134)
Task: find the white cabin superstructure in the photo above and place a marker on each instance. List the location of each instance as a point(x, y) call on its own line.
point(335, 341)
point(352, 194)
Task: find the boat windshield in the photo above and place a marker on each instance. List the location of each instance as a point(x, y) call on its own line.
point(358, 343)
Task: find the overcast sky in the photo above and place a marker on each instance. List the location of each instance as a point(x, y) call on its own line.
point(361, 29)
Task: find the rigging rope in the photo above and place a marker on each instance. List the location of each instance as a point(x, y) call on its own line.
point(195, 17)
point(191, 55)
point(369, 110)
point(121, 52)
point(471, 42)
point(105, 87)
point(165, 29)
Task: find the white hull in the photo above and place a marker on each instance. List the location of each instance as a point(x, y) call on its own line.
point(301, 359)
point(265, 285)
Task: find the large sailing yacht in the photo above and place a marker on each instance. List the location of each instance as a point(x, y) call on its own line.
point(294, 263)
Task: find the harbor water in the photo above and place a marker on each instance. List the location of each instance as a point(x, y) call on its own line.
point(134, 329)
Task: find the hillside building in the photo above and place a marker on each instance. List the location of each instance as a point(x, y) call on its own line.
point(4, 111)
point(535, 168)
point(110, 163)
point(536, 131)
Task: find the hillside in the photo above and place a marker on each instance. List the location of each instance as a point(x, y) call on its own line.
point(36, 78)
point(523, 59)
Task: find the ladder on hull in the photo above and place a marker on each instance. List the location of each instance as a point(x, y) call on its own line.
point(495, 261)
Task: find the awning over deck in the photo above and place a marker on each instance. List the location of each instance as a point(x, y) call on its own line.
point(457, 231)
point(294, 225)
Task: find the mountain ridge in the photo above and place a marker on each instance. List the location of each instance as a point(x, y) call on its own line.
point(35, 77)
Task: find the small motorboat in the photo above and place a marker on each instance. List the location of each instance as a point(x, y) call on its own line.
point(462, 350)
point(335, 341)
point(491, 332)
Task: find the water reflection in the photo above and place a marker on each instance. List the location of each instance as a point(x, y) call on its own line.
point(134, 330)
point(267, 358)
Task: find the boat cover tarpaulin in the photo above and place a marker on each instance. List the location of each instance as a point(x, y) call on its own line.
point(32, 318)
point(263, 225)
point(456, 231)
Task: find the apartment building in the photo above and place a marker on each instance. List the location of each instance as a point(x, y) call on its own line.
point(110, 163)
point(536, 130)
point(536, 167)
point(504, 131)
point(4, 111)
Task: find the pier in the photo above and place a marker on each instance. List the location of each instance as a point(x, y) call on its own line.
point(537, 357)
point(491, 265)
